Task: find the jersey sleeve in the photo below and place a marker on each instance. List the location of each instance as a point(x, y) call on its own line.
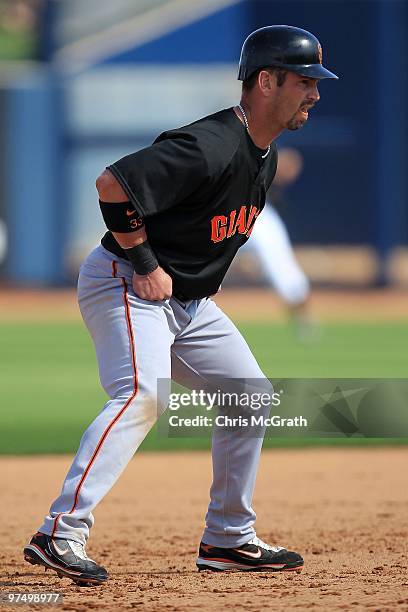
point(164, 174)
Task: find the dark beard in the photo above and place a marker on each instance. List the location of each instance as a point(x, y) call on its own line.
point(294, 124)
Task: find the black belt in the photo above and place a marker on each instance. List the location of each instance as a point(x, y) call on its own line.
point(181, 297)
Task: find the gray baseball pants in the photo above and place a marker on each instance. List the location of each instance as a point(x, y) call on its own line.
point(138, 342)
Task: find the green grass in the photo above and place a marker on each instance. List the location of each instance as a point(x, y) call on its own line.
point(49, 387)
point(16, 45)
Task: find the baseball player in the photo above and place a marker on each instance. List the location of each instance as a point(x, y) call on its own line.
point(177, 212)
point(271, 244)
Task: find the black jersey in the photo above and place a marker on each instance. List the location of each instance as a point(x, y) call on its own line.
point(199, 189)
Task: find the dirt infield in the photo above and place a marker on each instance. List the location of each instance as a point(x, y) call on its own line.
point(346, 511)
point(242, 304)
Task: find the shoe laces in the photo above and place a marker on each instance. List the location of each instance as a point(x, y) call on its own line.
point(258, 542)
point(79, 550)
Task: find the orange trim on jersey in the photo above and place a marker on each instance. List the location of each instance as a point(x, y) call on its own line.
point(123, 409)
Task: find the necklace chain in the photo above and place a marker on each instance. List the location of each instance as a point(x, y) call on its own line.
point(245, 118)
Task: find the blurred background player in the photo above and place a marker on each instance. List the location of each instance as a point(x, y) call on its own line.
point(3, 241)
point(271, 244)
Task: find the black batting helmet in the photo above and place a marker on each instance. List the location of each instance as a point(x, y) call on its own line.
point(285, 47)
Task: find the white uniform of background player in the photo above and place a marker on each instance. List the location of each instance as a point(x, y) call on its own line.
point(271, 243)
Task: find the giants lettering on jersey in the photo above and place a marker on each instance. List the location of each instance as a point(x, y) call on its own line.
point(242, 222)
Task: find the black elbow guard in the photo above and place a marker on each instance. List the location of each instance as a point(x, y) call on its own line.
point(120, 217)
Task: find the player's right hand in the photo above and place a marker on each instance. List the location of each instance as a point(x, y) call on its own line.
point(156, 286)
